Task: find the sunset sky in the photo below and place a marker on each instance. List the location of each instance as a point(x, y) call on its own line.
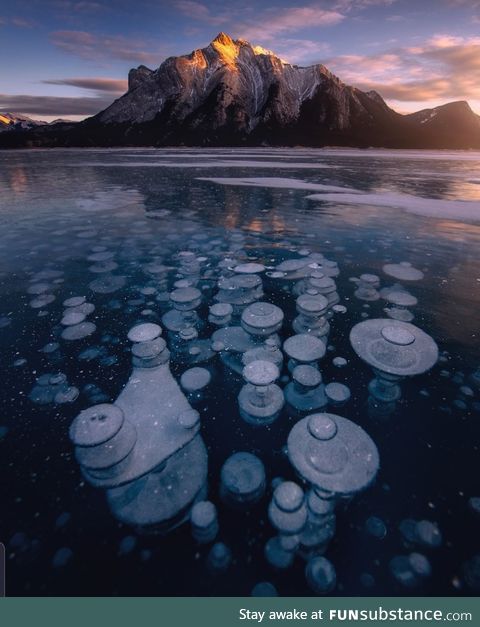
point(70, 58)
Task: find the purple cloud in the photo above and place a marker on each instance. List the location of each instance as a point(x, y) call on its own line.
point(55, 106)
point(113, 85)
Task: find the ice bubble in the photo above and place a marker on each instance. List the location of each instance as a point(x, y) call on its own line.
point(107, 284)
point(303, 349)
point(394, 349)
point(145, 332)
point(39, 288)
point(337, 393)
point(376, 527)
point(339, 362)
point(260, 400)
point(407, 528)
point(242, 478)
point(287, 511)
point(420, 565)
point(268, 351)
point(403, 271)
point(186, 298)
point(85, 308)
point(428, 534)
point(150, 354)
point(41, 301)
point(311, 318)
point(74, 301)
point(262, 319)
point(47, 274)
point(195, 379)
point(4, 322)
point(249, 268)
point(471, 571)
point(306, 392)
point(72, 317)
point(203, 518)
point(42, 394)
point(219, 557)
point(127, 545)
point(367, 580)
point(333, 453)
point(220, 314)
point(474, 504)
point(103, 267)
point(320, 575)
point(318, 506)
point(293, 269)
point(264, 589)
point(240, 289)
point(62, 557)
point(69, 395)
point(189, 419)
point(276, 555)
point(78, 331)
point(96, 425)
point(91, 353)
point(101, 256)
point(62, 520)
point(402, 571)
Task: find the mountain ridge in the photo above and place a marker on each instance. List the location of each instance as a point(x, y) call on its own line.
point(231, 93)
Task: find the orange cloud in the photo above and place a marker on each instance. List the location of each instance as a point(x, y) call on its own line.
point(446, 68)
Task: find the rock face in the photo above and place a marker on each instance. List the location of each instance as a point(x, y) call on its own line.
point(233, 93)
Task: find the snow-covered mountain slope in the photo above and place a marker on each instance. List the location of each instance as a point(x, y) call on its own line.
point(16, 121)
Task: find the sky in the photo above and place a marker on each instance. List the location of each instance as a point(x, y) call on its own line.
point(70, 58)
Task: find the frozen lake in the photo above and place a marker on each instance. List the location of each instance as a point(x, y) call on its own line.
point(379, 234)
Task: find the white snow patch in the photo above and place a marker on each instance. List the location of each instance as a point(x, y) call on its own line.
point(278, 182)
point(212, 164)
point(428, 207)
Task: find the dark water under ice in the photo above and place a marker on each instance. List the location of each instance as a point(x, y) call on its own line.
point(55, 206)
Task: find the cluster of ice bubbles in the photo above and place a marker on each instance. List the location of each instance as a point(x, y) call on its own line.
point(208, 308)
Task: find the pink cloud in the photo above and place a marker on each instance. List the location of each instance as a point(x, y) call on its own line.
point(277, 22)
point(445, 68)
point(199, 11)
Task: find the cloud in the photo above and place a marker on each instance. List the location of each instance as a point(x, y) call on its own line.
point(94, 47)
point(445, 68)
point(18, 22)
point(113, 85)
point(70, 6)
point(55, 106)
point(198, 11)
point(300, 50)
point(350, 5)
point(274, 22)
point(469, 4)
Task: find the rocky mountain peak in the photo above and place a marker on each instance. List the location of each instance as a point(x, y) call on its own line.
point(233, 93)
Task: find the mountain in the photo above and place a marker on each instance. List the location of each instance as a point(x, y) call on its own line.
point(453, 125)
point(234, 94)
point(17, 122)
